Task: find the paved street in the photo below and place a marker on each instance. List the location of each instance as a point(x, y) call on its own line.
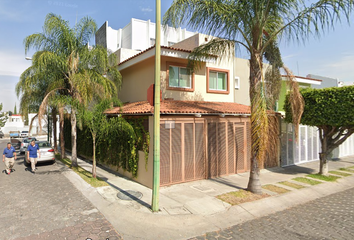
point(331, 217)
point(46, 205)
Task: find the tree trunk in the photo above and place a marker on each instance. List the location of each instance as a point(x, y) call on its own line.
point(323, 164)
point(254, 183)
point(73, 139)
point(54, 117)
point(324, 153)
point(94, 157)
point(61, 126)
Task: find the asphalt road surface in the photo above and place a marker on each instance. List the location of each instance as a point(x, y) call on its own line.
point(46, 205)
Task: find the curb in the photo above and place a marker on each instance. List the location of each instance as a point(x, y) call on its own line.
point(134, 224)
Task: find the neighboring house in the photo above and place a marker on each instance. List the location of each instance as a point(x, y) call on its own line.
point(304, 82)
point(342, 84)
point(308, 146)
point(326, 81)
point(35, 130)
point(14, 123)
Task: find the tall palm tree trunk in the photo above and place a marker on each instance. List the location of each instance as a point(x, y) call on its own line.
point(61, 126)
point(254, 183)
point(54, 117)
point(73, 139)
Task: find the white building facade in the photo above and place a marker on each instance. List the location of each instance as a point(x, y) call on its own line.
point(137, 36)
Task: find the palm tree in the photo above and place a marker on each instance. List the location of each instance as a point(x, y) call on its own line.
point(257, 26)
point(78, 73)
point(31, 92)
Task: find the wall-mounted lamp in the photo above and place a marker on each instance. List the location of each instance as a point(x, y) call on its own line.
point(198, 115)
point(222, 115)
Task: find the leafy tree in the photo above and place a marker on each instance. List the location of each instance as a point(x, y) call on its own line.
point(76, 73)
point(3, 117)
point(330, 110)
point(257, 26)
point(15, 109)
point(94, 118)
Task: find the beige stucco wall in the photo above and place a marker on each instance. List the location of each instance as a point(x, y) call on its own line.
point(193, 42)
point(200, 85)
point(241, 70)
point(136, 81)
point(188, 44)
point(138, 78)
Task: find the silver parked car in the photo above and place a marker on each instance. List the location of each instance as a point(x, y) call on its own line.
point(47, 153)
point(25, 142)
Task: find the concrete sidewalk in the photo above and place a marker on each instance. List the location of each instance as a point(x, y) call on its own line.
point(191, 209)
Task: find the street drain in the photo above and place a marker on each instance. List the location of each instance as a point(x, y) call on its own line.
point(129, 195)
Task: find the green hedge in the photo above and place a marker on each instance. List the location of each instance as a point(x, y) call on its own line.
point(328, 106)
point(120, 147)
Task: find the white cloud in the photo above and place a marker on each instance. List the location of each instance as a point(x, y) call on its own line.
point(341, 68)
point(148, 9)
point(12, 63)
point(290, 56)
point(13, 12)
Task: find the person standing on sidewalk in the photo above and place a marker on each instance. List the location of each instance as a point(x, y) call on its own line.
point(8, 157)
point(32, 151)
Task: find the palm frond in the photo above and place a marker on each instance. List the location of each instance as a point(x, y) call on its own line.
point(215, 49)
point(259, 124)
point(85, 30)
point(297, 102)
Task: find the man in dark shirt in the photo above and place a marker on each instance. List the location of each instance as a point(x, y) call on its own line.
point(32, 151)
point(8, 157)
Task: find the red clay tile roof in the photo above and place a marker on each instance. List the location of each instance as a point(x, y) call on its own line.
point(182, 107)
point(162, 47)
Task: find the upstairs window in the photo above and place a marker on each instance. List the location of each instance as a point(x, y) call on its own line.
point(217, 81)
point(180, 78)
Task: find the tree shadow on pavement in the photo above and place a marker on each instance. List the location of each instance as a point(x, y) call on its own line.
point(226, 182)
point(293, 170)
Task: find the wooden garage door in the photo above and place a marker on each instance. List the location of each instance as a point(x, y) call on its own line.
point(182, 154)
point(227, 148)
point(207, 148)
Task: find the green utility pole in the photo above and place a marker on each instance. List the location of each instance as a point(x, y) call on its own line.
point(156, 174)
point(48, 126)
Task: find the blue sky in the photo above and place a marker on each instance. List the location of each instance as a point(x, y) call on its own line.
point(331, 56)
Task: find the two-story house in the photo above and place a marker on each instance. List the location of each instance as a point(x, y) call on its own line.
point(204, 133)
